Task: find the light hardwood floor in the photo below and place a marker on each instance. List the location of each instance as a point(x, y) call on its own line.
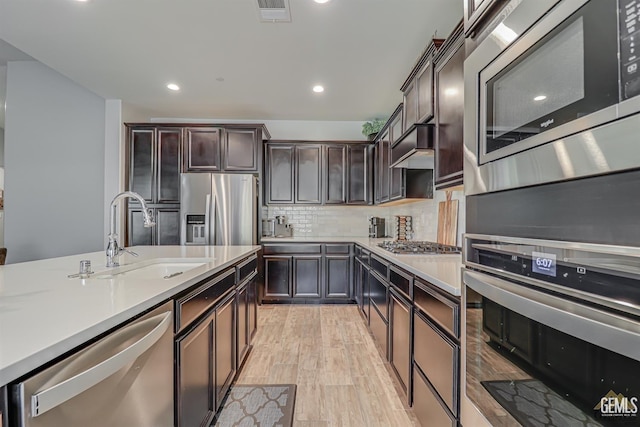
point(328, 352)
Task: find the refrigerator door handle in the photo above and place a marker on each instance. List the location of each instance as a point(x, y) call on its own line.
point(207, 219)
point(214, 230)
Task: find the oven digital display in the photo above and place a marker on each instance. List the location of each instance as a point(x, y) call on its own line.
point(542, 263)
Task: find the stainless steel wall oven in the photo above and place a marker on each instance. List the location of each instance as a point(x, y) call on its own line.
point(552, 250)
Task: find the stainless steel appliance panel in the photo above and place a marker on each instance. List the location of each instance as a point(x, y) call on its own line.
point(590, 144)
point(195, 197)
point(218, 209)
point(233, 210)
point(124, 379)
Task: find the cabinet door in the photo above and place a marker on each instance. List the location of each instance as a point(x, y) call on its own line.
point(168, 185)
point(338, 276)
point(203, 149)
point(357, 282)
point(410, 106)
point(400, 338)
point(137, 233)
point(336, 169)
point(277, 276)
point(242, 324)
point(225, 347)
point(252, 308)
point(195, 404)
point(279, 174)
point(308, 174)
point(142, 155)
point(396, 175)
point(449, 119)
point(358, 176)
point(167, 229)
point(383, 167)
point(428, 408)
point(241, 150)
point(307, 276)
point(425, 92)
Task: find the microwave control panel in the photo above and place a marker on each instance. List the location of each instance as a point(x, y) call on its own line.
point(629, 16)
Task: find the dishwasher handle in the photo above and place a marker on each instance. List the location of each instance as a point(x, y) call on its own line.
point(56, 395)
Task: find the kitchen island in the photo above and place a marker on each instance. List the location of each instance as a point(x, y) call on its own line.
point(44, 314)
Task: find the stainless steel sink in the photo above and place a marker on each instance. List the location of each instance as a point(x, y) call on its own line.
point(160, 270)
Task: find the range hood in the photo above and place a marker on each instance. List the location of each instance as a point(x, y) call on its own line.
point(415, 149)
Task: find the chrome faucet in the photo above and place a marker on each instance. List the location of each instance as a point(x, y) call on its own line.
point(113, 249)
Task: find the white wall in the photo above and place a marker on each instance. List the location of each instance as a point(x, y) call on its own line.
point(1, 146)
point(54, 152)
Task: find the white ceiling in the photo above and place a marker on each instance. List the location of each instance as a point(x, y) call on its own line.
point(360, 50)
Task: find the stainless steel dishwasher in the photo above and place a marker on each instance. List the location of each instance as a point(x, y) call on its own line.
point(123, 379)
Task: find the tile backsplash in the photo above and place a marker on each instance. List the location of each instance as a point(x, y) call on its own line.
point(352, 221)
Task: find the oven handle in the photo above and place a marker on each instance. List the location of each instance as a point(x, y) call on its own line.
point(607, 330)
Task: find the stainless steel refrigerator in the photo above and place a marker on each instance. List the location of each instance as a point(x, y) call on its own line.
point(218, 209)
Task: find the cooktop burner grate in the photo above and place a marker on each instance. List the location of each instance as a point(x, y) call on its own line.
point(417, 247)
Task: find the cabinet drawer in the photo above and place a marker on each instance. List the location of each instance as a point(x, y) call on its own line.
point(401, 280)
point(292, 249)
point(378, 295)
point(245, 269)
point(426, 405)
point(379, 328)
point(439, 308)
point(379, 265)
point(192, 305)
point(337, 249)
point(438, 357)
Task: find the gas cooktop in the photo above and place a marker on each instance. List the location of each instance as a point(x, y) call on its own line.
point(403, 247)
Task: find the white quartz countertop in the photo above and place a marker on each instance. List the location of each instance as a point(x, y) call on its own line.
point(444, 271)
point(44, 314)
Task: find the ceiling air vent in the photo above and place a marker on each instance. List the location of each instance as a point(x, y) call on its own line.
point(274, 10)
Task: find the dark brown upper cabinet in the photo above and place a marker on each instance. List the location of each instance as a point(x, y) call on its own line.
point(330, 173)
point(418, 90)
point(203, 149)
point(308, 174)
point(449, 81)
point(359, 174)
point(336, 174)
point(382, 154)
point(224, 148)
point(154, 163)
point(396, 175)
point(279, 184)
point(241, 150)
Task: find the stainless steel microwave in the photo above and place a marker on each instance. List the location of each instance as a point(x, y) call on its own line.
point(557, 87)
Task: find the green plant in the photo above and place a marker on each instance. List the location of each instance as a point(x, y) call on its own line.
point(374, 126)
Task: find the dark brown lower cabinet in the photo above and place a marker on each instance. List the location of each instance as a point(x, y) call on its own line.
point(195, 404)
point(338, 274)
point(225, 347)
point(312, 272)
point(438, 357)
point(277, 276)
point(380, 329)
point(307, 276)
point(400, 339)
point(243, 338)
point(426, 405)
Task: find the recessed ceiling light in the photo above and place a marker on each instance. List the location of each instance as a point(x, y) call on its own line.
point(82, 1)
point(321, 1)
point(451, 91)
point(540, 98)
point(318, 89)
point(173, 86)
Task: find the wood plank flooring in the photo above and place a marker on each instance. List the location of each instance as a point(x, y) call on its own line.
point(328, 352)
